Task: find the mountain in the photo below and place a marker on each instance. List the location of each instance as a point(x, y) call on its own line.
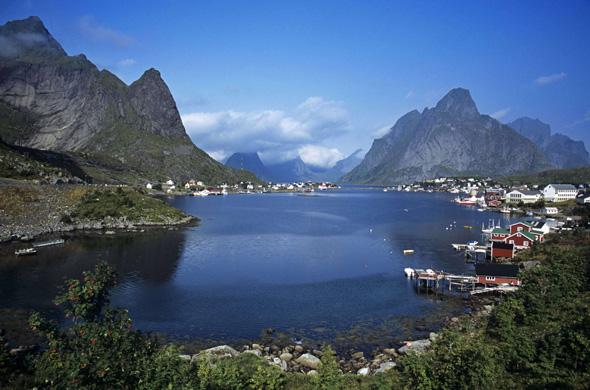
point(341, 168)
point(250, 162)
point(292, 171)
point(561, 151)
point(452, 138)
point(115, 132)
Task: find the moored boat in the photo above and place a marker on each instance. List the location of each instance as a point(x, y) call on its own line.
point(25, 252)
point(408, 251)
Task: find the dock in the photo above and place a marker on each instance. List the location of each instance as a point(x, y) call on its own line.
point(439, 281)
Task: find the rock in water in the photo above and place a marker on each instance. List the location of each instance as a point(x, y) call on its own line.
point(450, 139)
point(308, 360)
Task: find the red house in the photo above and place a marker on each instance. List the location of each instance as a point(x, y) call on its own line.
point(502, 250)
point(499, 234)
point(496, 274)
point(520, 227)
point(521, 240)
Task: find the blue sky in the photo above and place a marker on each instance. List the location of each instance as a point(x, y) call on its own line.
point(323, 78)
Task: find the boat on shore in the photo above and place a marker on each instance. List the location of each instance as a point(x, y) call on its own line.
point(25, 252)
point(49, 243)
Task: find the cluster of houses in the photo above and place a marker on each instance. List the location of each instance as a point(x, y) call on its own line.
point(505, 242)
point(198, 188)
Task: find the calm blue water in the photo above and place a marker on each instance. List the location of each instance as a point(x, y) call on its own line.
point(291, 262)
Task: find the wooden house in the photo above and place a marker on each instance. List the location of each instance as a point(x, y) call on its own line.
point(497, 274)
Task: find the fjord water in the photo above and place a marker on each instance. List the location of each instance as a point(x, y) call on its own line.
point(310, 265)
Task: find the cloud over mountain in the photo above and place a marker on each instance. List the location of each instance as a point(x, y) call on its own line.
point(276, 134)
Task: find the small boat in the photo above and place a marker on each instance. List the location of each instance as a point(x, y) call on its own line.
point(467, 227)
point(505, 210)
point(409, 272)
point(26, 252)
point(408, 251)
point(49, 243)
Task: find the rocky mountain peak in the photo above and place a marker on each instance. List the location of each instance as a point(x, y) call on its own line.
point(458, 102)
point(28, 38)
point(533, 129)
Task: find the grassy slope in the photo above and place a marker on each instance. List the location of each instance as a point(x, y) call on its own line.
point(559, 176)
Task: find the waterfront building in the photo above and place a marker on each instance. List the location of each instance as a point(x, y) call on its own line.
point(559, 192)
point(496, 274)
point(524, 196)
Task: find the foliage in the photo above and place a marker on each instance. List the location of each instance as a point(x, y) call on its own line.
point(563, 176)
point(125, 203)
point(329, 374)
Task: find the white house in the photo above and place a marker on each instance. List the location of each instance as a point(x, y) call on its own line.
point(169, 183)
point(583, 198)
point(148, 186)
point(559, 192)
point(550, 210)
point(523, 196)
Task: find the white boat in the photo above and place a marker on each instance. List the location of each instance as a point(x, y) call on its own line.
point(49, 243)
point(409, 272)
point(408, 251)
point(505, 210)
point(25, 252)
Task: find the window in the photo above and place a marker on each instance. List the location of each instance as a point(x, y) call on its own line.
point(526, 243)
point(490, 278)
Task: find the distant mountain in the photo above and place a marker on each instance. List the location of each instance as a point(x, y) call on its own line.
point(292, 171)
point(250, 162)
point(115, 132)
point(452, 138)
point(561, 151)
point(341, 167)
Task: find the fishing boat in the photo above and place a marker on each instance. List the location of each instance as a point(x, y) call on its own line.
point(49, 243)
point(466, 201)
point(408, 251)
point(505, 210)
point(25, 252)
point(467, 227)
point(409, 272)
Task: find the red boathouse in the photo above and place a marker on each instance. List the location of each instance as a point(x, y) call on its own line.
point(496, 274)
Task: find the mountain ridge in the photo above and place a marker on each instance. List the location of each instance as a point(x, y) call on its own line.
point(52, 101)
point(452, 138)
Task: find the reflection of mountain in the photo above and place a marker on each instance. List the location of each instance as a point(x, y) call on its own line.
point(151, 256)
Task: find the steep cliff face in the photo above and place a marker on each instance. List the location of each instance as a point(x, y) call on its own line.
point(52, 101)
point(561, 150)
point(449, 139)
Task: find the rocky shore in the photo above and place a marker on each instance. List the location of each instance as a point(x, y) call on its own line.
point(300, 358)
point(31, 211)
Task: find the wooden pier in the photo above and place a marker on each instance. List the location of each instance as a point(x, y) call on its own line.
point(438, 282)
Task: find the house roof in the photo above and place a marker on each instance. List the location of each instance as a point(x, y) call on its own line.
point(526, 223)
point(527, 192)
point(563, 186)
point(526, 234)
point(500, 231)
point(490, 269)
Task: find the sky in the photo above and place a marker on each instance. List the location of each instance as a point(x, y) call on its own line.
point(320, 79)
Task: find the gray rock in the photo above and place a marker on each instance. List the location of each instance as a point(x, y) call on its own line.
point(219, 352)
point(286, 356)
point(385, 366)
point(432, 336)
point(185, 357)
point(358, 355)
point(418, 346)
point(364, 371)
point(312, 373)
point(309, 360)
point(253, 352)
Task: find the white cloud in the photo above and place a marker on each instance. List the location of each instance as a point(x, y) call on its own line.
point(380, 132)
point(319, 155)
point(127, 62)
point(96, 32)
point(500, 113)
point(550, 79)
point(411, 93)
point(219, 155)
point(276, 134)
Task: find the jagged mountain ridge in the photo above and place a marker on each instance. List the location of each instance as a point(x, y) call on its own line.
point(295, 170)
point(561, 150)
point(452, 138)
point(52, 101)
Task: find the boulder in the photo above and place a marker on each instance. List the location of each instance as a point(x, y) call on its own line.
point(417, 346)
point(286, 356)
point(432, 336)
point(185, 357)
point(309, 360)
point(298, 348)
point(385, 366)
point(312, 373)
point(364, 371)
point(219, 352)
point(253, 352)
point(358, 355)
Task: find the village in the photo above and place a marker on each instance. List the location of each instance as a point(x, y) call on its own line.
point(198, 188)
point(548, 210)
